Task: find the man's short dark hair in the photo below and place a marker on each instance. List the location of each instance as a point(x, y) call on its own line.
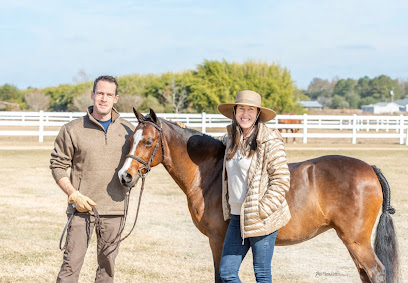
point(106, 79)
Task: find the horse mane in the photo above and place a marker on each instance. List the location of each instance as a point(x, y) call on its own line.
point(200, 146)
point(188, 132)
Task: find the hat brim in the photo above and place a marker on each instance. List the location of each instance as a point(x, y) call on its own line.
point(227, 109)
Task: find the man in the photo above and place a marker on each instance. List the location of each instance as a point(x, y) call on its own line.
point(94, 147)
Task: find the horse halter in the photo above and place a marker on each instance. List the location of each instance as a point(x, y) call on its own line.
point(147, 164)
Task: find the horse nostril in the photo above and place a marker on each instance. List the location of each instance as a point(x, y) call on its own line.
point(126, 178)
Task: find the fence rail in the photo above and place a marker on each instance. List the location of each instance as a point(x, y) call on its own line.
point(347, 126)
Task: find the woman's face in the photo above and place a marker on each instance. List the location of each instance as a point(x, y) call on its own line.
point(246, 117)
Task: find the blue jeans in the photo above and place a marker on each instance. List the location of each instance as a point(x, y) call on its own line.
point(234, 251)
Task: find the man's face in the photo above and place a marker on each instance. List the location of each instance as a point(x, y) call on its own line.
point(104, 97)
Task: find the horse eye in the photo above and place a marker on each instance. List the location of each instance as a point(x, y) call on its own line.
point(148, 143)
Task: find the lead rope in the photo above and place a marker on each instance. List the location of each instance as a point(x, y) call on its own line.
point(118, 238)
point(64, 231)
point(98, 222)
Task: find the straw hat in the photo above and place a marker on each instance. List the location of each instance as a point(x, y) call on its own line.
point(250, 98)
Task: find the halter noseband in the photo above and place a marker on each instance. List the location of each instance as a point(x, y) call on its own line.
point(148, 163)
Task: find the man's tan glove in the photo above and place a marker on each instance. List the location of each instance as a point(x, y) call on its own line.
point(82, 203)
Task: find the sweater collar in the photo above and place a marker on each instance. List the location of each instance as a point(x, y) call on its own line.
point(115, 114)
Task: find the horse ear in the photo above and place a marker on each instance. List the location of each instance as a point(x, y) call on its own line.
point(137, 114)
point(153, 115)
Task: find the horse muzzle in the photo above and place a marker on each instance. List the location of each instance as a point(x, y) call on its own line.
point(127, 180)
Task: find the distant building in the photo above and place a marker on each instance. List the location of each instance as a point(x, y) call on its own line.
point(310, 104)
point(381, 107)
point(403, 104)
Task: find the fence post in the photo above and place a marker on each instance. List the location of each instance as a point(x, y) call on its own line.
point(401, 129)
point(354, 138)
point(378, 125)
point(305, 128)
point(41, 128)
point(368, 124)
point(406, 136)
point(203, 122)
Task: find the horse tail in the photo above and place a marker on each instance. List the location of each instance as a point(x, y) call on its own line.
point(385, 244)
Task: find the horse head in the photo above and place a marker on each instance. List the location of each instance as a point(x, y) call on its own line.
point(145, 150)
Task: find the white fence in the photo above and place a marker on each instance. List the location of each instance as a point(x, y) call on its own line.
point(333, 126)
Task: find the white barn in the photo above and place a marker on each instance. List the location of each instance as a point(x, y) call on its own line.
point(310, 104)
point(403, 104)
point(381, 107)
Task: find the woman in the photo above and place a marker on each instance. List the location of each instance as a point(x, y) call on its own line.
point(255, 180)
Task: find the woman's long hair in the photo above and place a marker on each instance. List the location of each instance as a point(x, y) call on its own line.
point(236, 133)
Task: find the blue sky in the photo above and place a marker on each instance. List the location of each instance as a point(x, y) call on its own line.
point(46, 43)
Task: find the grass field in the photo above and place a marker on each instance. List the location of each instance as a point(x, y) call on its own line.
point(166, 246)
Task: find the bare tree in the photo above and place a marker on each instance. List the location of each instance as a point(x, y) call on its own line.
point(325, 101)
point(318, 85)
point(126, 102)
point(36, 100)
point(175, 95)
point(403, 84)
point(81, 102)
point(81, 77)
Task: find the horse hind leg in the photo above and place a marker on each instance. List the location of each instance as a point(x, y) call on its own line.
point(294, 138)
point(368, 265)
point(380, 274)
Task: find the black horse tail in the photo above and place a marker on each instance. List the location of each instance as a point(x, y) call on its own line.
point(385, 244)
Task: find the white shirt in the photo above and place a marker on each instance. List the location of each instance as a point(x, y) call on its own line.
point(237, 172)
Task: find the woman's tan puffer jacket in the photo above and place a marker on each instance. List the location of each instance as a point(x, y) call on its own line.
point(264, 209)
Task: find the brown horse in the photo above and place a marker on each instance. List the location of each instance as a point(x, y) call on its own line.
point(290, 122)
point(337, 192)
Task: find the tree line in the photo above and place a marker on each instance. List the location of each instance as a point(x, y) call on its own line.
point(351, 93)
point(198, 90)
point(202, 89)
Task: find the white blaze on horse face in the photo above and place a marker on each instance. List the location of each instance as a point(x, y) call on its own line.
point(136, 139)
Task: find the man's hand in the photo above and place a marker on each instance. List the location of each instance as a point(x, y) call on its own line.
point(82, 203)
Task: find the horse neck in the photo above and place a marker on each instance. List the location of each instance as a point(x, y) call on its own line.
point(177, 162)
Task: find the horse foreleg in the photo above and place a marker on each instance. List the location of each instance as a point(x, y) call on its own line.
point(295, 131)
point(216, 244)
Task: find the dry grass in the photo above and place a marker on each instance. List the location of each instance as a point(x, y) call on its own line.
point(166, 247)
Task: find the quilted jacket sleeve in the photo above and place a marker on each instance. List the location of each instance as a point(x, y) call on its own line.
point(62, 155)
point(279, 178)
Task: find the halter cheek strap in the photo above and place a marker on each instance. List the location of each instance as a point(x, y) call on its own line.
point(147, 164)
